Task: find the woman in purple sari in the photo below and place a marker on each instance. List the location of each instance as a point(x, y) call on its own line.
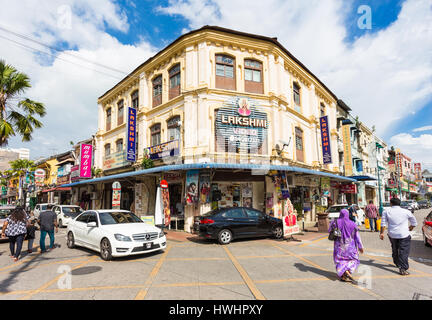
point(346, 247)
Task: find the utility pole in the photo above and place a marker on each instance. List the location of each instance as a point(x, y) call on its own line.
point(379, 146)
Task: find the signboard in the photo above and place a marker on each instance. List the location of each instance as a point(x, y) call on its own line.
point(399, 164)
point(116, 196)
point(325, 140)
point(86, 155)
point(131, 135)
point(204, 181)
point(346, 135)
point(75, 173)
point(148, 220)
point(240, 127)
point(164, 150)
point(290, 225)
point(192, 177)
point(39, 177)
point(348, 188)
point(115, 160)
point(164, 184)
point(64, 179)
point(166, 205)
point(417, 172)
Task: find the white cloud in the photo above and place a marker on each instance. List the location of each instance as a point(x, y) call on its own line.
point(425, 128)
point(68, 86)
point(418, 148)
point(382, 76)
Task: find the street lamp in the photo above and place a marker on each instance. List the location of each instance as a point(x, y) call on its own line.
point(379, 146)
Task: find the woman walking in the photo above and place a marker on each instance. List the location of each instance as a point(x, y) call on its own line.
point(346, 247)
point(15, 228)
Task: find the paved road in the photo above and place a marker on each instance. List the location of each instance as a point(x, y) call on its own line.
point(247, 269)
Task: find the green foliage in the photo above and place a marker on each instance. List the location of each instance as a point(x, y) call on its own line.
point(18, 115)
point(147, 163)
point(96, 172)
point(298, 206)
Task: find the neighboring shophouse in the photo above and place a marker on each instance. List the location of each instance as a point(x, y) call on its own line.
point(237, 108)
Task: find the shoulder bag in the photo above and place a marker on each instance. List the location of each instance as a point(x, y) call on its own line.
point(335, 233)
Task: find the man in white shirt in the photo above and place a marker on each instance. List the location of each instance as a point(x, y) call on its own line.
point(399, 223)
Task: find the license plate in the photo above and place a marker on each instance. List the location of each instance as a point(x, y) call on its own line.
point(148, 245)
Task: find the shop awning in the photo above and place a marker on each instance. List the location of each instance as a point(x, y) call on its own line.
point(58, 189)
point(363, 178)
point(213, 165)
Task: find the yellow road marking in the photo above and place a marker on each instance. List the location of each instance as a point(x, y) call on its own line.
point(257, 294)
point(46, 285)
point(76, 260)
point(142, 294)
point(314, 241)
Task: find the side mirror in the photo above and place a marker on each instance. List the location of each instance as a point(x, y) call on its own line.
point(91, 225)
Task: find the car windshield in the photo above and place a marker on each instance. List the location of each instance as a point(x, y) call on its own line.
point(116, 217)
point(404, 203)
point(72, 211)
point(386, 204)
point(43, 207)
point(337, 208)
point(213, 212)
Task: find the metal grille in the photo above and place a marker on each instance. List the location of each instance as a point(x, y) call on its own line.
point(140, 249)
point(145, 236)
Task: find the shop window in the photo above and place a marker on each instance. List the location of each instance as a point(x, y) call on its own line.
point(155, 134)
point(299, 144)
point(157, 91)
point(135, 100)
point(120, 106)
point(107, 150)
point(108, 120)
point(253, 76)
point(173, 128)
point(119, 145)
point(225, 72)
point(296, 96)
point(174, 81)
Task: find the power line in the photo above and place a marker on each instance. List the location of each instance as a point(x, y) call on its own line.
point(53, 55)
point(62, 51)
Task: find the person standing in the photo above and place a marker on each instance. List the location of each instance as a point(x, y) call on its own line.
point(15, 228)
point(399, 223)
point(47, 222)
point(346, 247)
point(372, 214)
point(31, 232)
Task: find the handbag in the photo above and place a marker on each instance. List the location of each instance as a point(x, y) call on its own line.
point(334, 233)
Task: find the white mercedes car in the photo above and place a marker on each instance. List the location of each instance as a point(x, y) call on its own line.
point(114, 233)
point(66, 213)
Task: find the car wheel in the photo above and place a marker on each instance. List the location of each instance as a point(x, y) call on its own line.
point(70, 240)
point(224, 236)
point(106, 251)
point(278, 232)
point(426, 243)
point(61, 223)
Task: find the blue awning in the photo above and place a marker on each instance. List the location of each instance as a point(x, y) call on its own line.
point(363, 178)
point(212, 165)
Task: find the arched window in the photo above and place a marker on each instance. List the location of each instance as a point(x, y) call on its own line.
point(120, 112)
point(253, 76)
point(108, 120)
point(173, 128)
point(299, 144)
point(157, 91)
point(174, 81)
point(107, 150)
point(119, 145)
point(155, 134)
point(135, 100)
point(296, 96)
point(225, 72)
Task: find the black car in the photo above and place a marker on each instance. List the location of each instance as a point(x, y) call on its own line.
point(226, 224)
point(407, 205)
point(423, 204)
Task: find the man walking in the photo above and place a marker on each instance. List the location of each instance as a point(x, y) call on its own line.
point(372, 213)
point(396, 220)
point(47, 222)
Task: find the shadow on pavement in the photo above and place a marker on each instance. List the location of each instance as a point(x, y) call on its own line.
point(381, 266)
point(304, 268)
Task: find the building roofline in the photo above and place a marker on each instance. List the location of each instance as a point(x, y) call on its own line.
point(230, 31)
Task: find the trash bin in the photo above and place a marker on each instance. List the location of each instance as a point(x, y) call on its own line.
point(323, 222)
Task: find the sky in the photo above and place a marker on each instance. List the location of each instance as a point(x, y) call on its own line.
point(374, 55)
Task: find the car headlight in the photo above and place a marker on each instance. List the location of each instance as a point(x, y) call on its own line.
point(121, 237)
point(161, 234)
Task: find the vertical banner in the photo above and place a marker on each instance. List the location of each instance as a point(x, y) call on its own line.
point(116, 196)
point(166, 206)
point(131, 135)
point(247, 194)
point(346, 134)
point(86, 154)
point(325, 140)
point(192, 177)
point(204, 181)
point(159, 217)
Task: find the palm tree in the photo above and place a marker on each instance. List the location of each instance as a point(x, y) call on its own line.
point(20, 168)
point(17, 114)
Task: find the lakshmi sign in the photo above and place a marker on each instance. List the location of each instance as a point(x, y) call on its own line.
point(240, 127)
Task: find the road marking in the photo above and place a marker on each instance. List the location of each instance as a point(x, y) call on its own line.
point(49, 283)
point(75, 260)
point(257, 294)
point(142, 294)
point(314, 241)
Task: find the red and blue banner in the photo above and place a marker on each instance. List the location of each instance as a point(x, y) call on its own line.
point(131, 134)
point(325, 140)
